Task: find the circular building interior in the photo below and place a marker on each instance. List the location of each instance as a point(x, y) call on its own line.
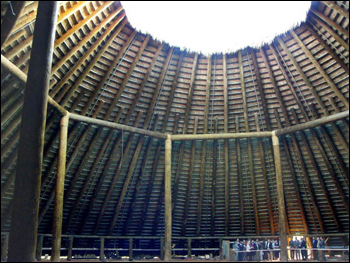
point(116, 144)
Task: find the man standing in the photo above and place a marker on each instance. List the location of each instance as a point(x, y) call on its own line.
point(314, 248)
point(321, 245)
point(292, 251)
point(303, 249)
point(297, 247)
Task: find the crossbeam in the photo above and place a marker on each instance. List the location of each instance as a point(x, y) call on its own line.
point(220, 136)
point(117, 126)
point(313, 124)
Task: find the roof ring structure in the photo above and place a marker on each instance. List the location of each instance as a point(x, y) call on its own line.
point(215, 27)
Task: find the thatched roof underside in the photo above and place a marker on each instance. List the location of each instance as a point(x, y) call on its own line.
point(104, 69)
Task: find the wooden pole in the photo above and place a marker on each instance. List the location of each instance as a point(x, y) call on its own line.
point(58, 208)
point(70, 249)
point(118, 126)
point(314, 123)
point(131, 244)
point(189, 248)
point(102, 249)
point(21, 76)
point(4, 248)
point(24, 224)
point(167, 193)
point(280, 194)
point(220, 136)
point(39, 247)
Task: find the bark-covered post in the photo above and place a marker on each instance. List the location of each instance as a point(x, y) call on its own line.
point(167, 193)
point(24, 223)
point(58, 208)
point(39, 247)
point(4, 248)
point(102, 249)
point(280, 195)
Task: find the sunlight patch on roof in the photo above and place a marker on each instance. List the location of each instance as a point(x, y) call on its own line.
point(220, 26)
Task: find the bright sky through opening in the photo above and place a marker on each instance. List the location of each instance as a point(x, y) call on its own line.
point(220, 26)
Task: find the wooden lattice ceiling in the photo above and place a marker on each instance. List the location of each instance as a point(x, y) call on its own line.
point(104, 69)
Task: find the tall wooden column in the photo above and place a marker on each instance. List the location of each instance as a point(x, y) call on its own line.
point(280, 195)
point(24, 224)
point(167, 193)
point(59, 191)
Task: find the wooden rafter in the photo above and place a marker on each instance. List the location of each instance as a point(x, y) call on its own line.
point(96, 165)
point(294, 176)
point(319, 175)
point(189, 181)
point(204, 148)
point(265, 179)
point(337, 8)
point(338, 38)
point(250, 149)
point(226, 150)
point(321, 70)
point(117, 173)
point(330, 22)
point(286, 76)
point(326, 46)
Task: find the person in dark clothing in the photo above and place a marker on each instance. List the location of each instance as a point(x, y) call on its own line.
point(303, 249)
point(314, 248)
point(277, 250)
point(264, 248)
point(292, 251)
point(240, 248)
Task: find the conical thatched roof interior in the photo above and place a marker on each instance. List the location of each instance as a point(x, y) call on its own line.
point(103, 68)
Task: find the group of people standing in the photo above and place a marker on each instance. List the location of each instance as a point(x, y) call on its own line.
point(298, 249)
point(255, 250)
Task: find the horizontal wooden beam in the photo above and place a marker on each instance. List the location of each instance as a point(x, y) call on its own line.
point(314, 123)
point(117, 126)
point(22, 77)
point(220, 136)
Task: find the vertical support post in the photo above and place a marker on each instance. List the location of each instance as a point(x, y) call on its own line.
point(162, 248)
point(280, 194)
point(24, 223)
point(220, 248)
point(70, 249)
point(131, 244)
point(167, 193)
point(102, 249)
point(189, 248)
point(39, 247)
point(58, 208)
point(4, 248)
